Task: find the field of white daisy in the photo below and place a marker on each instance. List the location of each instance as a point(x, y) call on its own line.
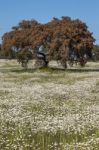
point(49, 109)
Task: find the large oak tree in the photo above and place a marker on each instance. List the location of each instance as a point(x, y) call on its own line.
point(60, 37)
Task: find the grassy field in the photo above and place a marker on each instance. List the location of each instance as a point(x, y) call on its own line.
point(49, 109)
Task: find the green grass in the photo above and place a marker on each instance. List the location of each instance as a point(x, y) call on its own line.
point(22, 137)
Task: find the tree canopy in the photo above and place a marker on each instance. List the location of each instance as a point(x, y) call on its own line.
point(60, 37)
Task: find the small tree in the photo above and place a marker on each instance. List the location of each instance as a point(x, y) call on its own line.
point(23, 57)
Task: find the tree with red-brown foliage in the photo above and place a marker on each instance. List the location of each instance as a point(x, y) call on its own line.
point(62, 38)
point(70, 37)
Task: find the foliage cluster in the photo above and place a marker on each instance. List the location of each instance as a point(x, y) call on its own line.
point(62, 39)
